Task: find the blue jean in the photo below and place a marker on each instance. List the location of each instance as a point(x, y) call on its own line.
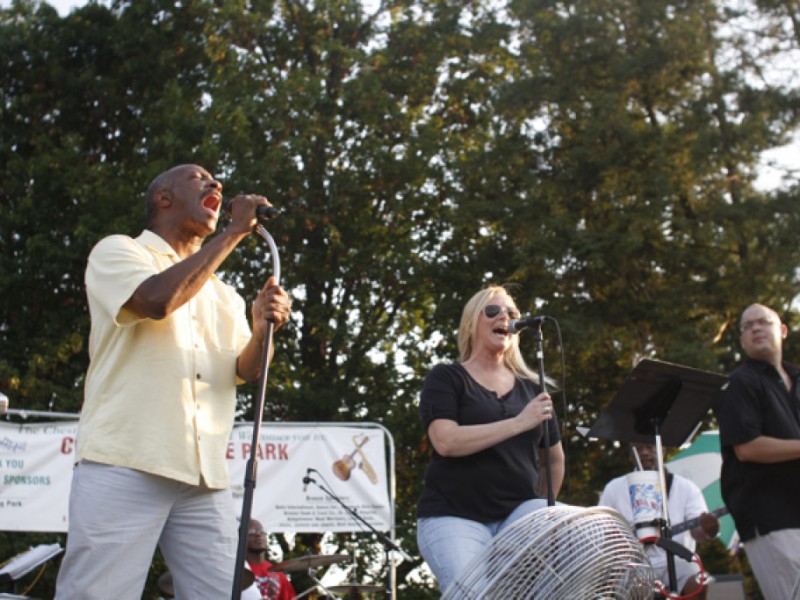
point(448, 544)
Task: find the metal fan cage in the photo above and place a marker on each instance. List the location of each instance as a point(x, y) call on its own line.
point(559, 552)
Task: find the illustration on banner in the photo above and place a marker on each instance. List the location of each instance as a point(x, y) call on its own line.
point(344, 467)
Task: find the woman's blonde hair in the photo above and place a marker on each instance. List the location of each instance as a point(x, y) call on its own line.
point(468, 328)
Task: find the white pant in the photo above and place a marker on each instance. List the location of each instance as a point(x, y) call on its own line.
point(117, 516)
point(775, 559)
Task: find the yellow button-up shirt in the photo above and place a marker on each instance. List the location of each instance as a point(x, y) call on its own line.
point(159, 394)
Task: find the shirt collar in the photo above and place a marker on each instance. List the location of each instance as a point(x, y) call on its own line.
point(764, 366)
point(156, 243)
point(159, 245)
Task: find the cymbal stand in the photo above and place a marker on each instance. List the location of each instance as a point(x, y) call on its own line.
point(312, 574)
point(306, 592)
point(252, 463)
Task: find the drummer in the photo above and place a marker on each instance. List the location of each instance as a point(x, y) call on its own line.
point(686, 502)
point(273, 585)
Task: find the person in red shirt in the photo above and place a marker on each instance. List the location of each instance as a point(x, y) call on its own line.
point(273, 585)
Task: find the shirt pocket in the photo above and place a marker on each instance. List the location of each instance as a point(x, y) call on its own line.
point(223, 333)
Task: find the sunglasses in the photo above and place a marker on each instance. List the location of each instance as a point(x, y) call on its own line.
point(492, 310)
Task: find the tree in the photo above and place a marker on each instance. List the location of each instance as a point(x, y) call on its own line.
point(83, 99)
point(600, 156)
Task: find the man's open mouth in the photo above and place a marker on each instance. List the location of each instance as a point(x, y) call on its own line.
point(212, 202)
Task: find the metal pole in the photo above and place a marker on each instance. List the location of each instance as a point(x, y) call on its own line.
point(252, 463)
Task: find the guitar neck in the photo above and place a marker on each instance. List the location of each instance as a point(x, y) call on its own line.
point(692, 523)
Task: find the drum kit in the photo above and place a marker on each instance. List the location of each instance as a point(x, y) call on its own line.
point(309, 563)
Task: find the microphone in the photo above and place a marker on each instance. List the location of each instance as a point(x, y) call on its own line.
point(517, 325)
point(307, 480)
point(263, 213)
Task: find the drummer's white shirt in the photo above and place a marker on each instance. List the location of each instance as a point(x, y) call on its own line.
point(251, 593)
point(685, 500)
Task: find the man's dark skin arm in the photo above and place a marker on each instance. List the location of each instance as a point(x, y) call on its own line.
point(163, 293)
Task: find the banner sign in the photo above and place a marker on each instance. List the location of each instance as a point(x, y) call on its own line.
point(349, 462)
point(344, 462)
point(35, 474)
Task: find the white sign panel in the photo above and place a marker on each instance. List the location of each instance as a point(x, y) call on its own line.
point(35, 474)
point(347, 463)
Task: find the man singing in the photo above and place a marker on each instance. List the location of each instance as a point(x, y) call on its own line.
point(168, 344)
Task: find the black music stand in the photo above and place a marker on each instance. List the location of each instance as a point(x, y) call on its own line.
point(665, 403)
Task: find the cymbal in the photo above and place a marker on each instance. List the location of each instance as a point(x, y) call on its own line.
point(354, 588)
point(304, 563)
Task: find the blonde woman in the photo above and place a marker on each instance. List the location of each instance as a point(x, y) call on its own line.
point(485, 417)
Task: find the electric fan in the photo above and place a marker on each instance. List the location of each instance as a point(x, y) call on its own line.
point(559, 553)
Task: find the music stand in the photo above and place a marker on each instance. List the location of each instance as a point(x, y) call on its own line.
point(664, 402)
point(22, 564)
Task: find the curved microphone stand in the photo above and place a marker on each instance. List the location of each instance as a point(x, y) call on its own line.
point(252, 463)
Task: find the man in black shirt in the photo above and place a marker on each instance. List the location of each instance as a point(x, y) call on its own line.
point(759, 422)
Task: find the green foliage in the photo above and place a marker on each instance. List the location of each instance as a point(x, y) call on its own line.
point(598, 155)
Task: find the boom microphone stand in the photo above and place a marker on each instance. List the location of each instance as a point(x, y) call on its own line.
point(388, 544)
point(252, 464)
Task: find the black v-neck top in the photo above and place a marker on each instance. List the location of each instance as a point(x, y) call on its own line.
point(488, 485)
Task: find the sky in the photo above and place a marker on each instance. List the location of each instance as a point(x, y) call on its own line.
point(62, 6)
point(774, 163)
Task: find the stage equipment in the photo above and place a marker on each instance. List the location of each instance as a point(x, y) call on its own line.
point(660, 403)
point(251, 466)
point(303, 563)
point(535, 323)
point(24, 413)
point(355, 588)
point(559, 553)
point(17, 567)
point(388, 543)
